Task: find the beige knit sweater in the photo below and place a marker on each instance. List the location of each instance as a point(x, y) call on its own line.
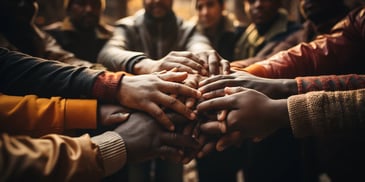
point(327, 113)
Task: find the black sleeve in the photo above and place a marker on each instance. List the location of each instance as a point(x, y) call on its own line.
point(21, 74)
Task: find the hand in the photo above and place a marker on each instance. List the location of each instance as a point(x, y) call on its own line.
point(251, 113)
point(109, 114)
point(146, 140)
point(214, 62)
point(274, 88)
point(150, 92)
point(184, 62)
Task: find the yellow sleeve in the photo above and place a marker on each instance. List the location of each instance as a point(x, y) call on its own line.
point(49, 158)
point(38, 116)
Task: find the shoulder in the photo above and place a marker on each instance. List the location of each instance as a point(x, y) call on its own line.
point(131, 20)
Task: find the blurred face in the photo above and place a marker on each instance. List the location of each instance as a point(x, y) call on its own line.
point(85, 14)
point(315, 9)
point(262, 11)
point(20, 12)
point(157, 8)
point(209, 12)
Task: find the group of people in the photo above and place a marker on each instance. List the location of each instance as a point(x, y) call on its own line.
point(281, 100)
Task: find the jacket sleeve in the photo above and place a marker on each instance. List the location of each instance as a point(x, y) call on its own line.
point(44, 116)
point(340, 52)
point(327, 113)
point(116, 54)
point(21, 74)
point(49, 158)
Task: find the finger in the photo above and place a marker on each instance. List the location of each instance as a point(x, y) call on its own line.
point(116, 118)
point(173, 76)
point(156, 112)
point(214, 94)
point(228, 140)
point(170, 153)
point(179, 89)
point(233, 90)
point(210, 80)
point(189, 129)
point(206, 149)
point(174, 104)
point(214, 61)
point(222, 115)
point(178, 140)
point(191, 62)
point(190, 102)
point(214, 127)
point(222, 82)
point(225, 67)
point(220, 103)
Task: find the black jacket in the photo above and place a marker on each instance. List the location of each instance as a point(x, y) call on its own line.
point(21, 74)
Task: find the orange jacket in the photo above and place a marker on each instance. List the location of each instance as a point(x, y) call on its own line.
point(35, 116)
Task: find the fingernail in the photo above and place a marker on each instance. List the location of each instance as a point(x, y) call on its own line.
point(192, 116)
point(172, 128)
point(221, 148)
point(200, 155)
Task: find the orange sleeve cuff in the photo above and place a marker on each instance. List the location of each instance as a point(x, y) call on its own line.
point(257, 70)
point(80, 114)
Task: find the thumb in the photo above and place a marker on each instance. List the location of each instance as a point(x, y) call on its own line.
point(115, 118)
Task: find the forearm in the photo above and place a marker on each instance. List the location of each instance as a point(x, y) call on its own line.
point(39, 116)
point(327, 113)
point(22, 75)
point(50, 158)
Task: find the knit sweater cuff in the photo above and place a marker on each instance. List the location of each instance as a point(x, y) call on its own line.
point(299, 116)
point(112, 150)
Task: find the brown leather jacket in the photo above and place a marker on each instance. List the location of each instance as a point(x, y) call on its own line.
point(340, 52)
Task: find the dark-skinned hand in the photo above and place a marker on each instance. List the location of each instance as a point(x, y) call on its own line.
point(145, 139)
point(274, 88)
point(251, 114)
point(151, 92)
point(213, 62)
point(183, 61)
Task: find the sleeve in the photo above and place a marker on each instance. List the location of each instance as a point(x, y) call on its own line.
point(43, 116)
point(330, 83)
point(327, 113)
point(22, 74)
point(340, 52)
point(49, 158)
point(116, 54)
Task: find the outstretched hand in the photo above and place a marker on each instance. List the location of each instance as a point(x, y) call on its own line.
point(251, 114)
point(274, 88)
point(145, 139)
point(150, 93)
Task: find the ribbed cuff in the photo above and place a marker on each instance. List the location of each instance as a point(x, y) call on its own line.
point(113, 151)
point(299, 116)
point(106, 86)
point(133, 61)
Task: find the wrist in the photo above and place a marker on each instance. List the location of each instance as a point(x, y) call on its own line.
point(281, 114)
point(143, 66)
point(106, 86)
point(290, 87)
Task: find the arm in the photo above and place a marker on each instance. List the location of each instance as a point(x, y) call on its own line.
point(22, 74)
point(309, 113)
point(52, 157)
point(340, 52)
point(44, 116)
